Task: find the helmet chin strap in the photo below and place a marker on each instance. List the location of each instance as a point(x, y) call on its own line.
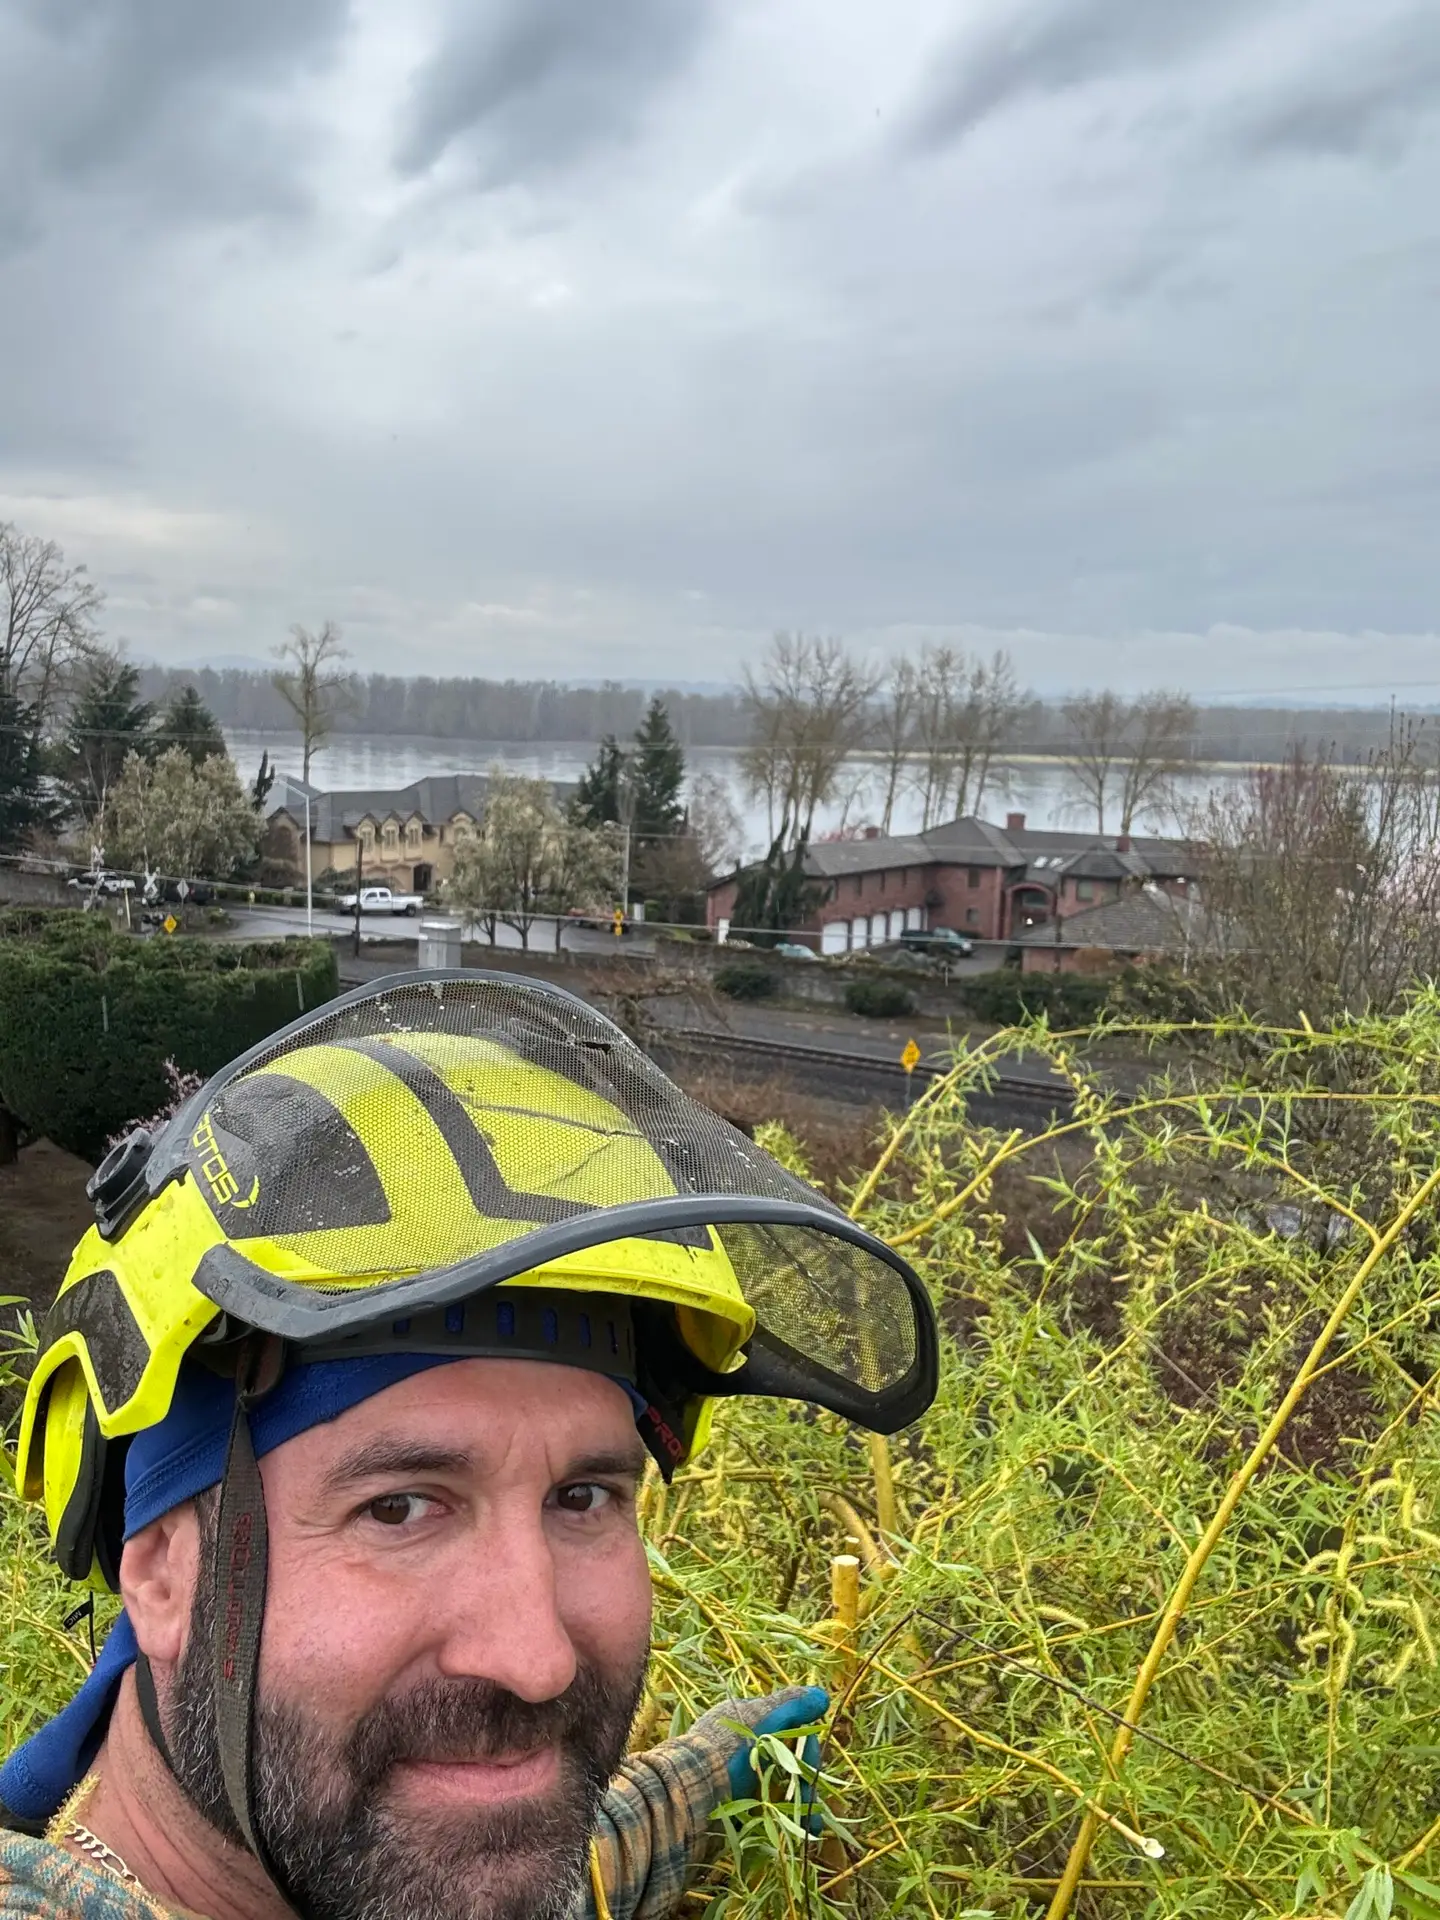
point(238, 1605)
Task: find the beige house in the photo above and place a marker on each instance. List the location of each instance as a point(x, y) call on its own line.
point(407, 836)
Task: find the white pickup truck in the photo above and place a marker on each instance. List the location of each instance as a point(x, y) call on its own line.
point(381, 900)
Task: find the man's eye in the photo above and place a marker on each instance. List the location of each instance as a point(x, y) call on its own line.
point(583, 1497)
point(394, 1509)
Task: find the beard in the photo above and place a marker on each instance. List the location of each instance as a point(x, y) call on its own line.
point(324, 1814)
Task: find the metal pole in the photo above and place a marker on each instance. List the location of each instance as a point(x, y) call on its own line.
point(309, 889)
point(625, 875)
point(359, 873)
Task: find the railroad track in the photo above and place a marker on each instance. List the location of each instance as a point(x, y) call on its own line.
point(1045, 1096)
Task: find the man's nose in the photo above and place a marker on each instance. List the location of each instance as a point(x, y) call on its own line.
point(504, 1616)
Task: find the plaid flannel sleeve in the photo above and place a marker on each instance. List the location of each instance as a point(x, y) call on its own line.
point(40, 1881)
point(653, 1819)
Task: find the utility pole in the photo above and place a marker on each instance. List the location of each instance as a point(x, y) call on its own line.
point(309, 886)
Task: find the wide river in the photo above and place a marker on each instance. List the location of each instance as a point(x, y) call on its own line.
point(1037, 789)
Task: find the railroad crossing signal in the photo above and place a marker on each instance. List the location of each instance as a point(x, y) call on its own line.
point(910, 1058)
point(169, 923)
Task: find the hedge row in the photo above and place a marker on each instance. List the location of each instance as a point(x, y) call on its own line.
point(1006, 996)
point(89, 1016)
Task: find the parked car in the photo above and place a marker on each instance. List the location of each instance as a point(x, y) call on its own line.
point(101, 881)
point(381, 900)
point(941, 943)
point(198, 893)
point(794, 950)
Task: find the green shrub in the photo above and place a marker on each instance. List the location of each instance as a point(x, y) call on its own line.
point(1007, 997)
point(745, 980)
point(879, 999)
point(89, 1015)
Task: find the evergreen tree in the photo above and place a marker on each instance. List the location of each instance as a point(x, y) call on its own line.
point(22, 798)
point(600, 791)
point(776, 896)
point(107, 721)
point(189, 724)
point(264, 780)
point(659, 778)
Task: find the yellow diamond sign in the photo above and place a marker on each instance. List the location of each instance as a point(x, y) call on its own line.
point(910, 1058)
point(170, 923)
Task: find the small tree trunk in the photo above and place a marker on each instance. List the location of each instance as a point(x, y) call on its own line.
point(9, 1137)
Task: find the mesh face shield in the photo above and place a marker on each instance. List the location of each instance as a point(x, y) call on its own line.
point(428, 1137)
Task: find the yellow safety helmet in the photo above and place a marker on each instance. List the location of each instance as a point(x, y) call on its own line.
point(456, 1163)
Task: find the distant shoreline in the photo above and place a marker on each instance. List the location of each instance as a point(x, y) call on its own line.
point(451, 744)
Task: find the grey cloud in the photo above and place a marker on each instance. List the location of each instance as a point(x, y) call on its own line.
point(162, 98)
point(537, 84)
point(1049, 46)
point(1367, 101)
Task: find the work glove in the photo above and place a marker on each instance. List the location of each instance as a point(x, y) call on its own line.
point(775, 1713)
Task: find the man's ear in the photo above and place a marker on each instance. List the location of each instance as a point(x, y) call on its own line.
point(158, 1571)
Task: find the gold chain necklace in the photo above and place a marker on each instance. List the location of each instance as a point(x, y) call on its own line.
point(95, 1849)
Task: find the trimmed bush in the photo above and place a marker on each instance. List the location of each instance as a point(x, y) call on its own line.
point(746, 980)
point(879, 999)
point(1007, 997)
point(89, 1016)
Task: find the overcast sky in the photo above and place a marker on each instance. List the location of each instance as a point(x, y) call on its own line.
point(607, 336)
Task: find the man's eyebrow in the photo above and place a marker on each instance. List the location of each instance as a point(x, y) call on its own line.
point(388, 1457)
point(619, 1460)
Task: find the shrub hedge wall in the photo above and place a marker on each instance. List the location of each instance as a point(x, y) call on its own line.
point(746, 980)
point(879, 999)
point(1007, 997)
point(89, 1016)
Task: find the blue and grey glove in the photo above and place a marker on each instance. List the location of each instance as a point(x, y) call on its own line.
point(775, 1713)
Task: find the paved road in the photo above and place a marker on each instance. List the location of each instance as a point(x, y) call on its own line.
point(274, 923)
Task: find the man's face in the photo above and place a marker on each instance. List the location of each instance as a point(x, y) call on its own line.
point(455, 1642)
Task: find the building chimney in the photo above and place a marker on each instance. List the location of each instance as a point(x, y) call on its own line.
point(1014, 823)
point(1122, 843)
point(872, 833)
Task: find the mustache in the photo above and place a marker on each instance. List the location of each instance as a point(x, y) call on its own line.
point(476, 1720)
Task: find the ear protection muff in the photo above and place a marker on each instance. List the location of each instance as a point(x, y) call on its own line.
point(84, 1483)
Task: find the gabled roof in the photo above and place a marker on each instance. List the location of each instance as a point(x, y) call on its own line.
point(829, 858)
point(335, 816)
point(1143, 920)
point(1020, 852)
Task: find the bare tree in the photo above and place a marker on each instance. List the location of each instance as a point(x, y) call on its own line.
point(47, 618)
point(313, 685)
point(1098, 723)
point(808, 712)
point(1325, 880)
point(714, 823)
point(895, 731)
point(1160, 746)
point(965, 714)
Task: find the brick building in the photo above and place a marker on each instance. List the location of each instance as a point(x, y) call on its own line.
point(985, 881)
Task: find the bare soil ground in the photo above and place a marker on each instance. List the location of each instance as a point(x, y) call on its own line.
point(43, 1212)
